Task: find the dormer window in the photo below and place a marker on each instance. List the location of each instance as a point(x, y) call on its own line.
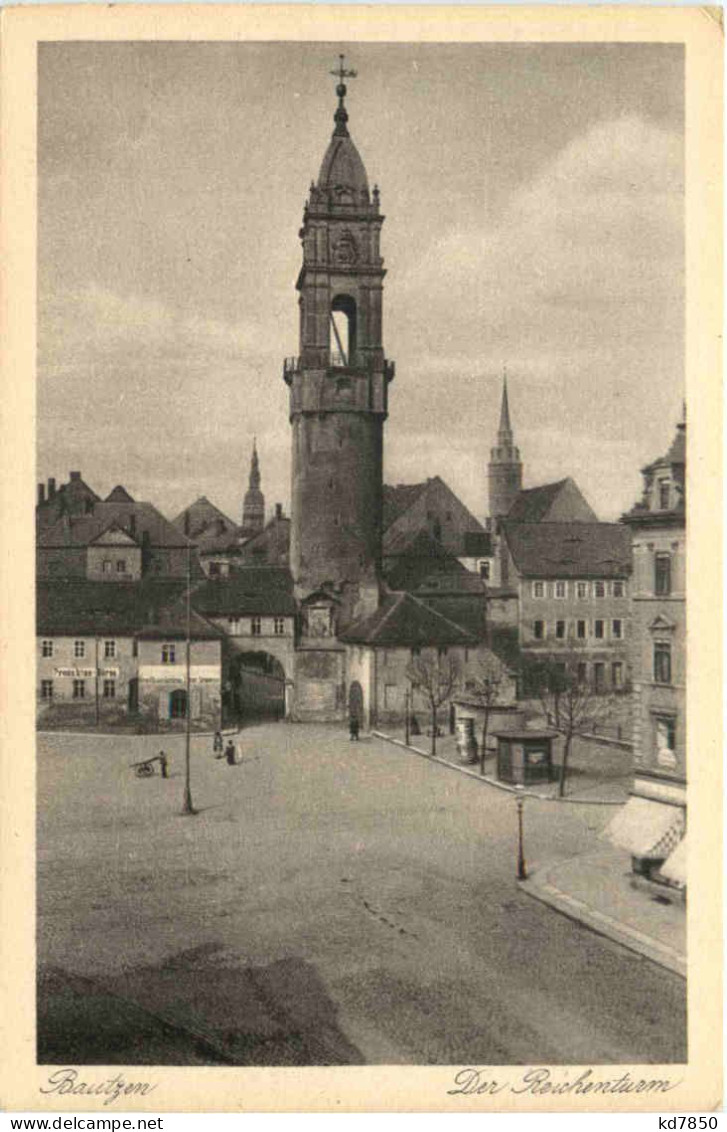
point(664, 495)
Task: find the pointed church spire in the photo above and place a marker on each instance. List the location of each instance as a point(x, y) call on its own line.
point(505, 470)
point(504, 432)
point(253, 507)
point(254, 467)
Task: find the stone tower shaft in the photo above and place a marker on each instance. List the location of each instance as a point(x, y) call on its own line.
point(338, 382)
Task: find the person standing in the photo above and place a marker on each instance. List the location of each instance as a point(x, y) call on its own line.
point(230, 753)
point(164, 764)
point(353, 727)
point(217, 745)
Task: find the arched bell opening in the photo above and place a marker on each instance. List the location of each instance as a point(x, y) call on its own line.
point(342, 340)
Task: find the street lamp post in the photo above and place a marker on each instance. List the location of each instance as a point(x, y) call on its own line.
point(188, 807)
point(522, 873)
point(407, 716)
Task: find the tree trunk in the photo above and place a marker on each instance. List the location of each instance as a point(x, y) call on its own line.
point(564, 766)
point(484, 742)
point(434, 730)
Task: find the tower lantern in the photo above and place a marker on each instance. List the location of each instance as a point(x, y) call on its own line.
point(338, 381)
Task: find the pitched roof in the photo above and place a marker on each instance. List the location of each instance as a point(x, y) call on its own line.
point(422, 557)
point(402, 620)
point(271, 544)
point(78, 607)
point(195, 519)
point(399, 498)
point(532, 504)
point(81, 530)
point(570, 550)
point(119, 495)
point(249, 590)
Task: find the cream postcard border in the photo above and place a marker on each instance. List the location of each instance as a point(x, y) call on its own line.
point(383, 1088)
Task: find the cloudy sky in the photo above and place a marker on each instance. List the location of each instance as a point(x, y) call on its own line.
point(534, 204)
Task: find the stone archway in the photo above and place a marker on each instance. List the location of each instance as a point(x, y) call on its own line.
point(257, 681)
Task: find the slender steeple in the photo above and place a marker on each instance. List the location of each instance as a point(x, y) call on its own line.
point(505, 471)
point(253, 508)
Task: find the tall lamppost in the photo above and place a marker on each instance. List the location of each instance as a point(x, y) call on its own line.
point(407, 716)
point(188, 807)
point(522, 873)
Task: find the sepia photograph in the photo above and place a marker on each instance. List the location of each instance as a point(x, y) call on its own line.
point(362, 420)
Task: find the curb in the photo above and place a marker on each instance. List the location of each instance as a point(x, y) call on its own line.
point(603, 925)
point(486, 781)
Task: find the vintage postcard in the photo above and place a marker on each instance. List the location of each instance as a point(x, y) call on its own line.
point(361, 591)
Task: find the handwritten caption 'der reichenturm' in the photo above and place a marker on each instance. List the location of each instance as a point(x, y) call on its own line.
point(67, 1082)
point(543, 1082)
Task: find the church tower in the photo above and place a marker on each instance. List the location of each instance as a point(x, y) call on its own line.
point(253, 507)
point(505, 471)
point(338, 383)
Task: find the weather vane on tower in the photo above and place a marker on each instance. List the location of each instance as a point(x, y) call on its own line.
point(341, 116)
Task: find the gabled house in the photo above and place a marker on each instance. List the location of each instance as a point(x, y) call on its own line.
point(430, 507)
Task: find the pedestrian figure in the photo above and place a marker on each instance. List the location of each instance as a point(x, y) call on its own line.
point(164, 764)
point(230, 753)
point(353, 726)
point(217, 745)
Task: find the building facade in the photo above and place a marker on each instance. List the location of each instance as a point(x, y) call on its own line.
point(653, 822)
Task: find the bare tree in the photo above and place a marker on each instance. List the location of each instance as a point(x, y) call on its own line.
point(484, 686)
point(572, 705)
point(436, 678)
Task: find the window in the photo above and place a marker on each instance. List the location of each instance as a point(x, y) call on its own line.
point(168, 654)
point(46, 689)
point(214, 569)
point(109, 689)
point(560, 630)
point(279, 626)
point(255, 626)
point(416, 652)
point(665, 737)
point(79, 689)
point(561, 589)
point(485, 570)
point(79, 648)
point(135, 647)
point(599, 589)
point(582, 672)
point(109, 649)
point(106, 566)
point(599, 676)
point(390, 695)
point(617, 674)
point(662, 574)
point(662, 662)
point(234, 624)
point(663, 495)
point(581, 590)
point(539, 630)
point(581, 630)
point(538, 589)
point(46, 648)
point(121, 566)
point(619, 589)
point(442, 652)
point(598, 630)
point(617, 629)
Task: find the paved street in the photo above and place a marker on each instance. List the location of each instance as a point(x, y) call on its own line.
point(331, 903)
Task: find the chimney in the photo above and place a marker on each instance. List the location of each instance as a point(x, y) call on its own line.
point(278, 510)
point(41, 493)
point(51, 487)
point(75, 475)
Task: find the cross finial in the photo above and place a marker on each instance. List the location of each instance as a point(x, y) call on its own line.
point(341, 116)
